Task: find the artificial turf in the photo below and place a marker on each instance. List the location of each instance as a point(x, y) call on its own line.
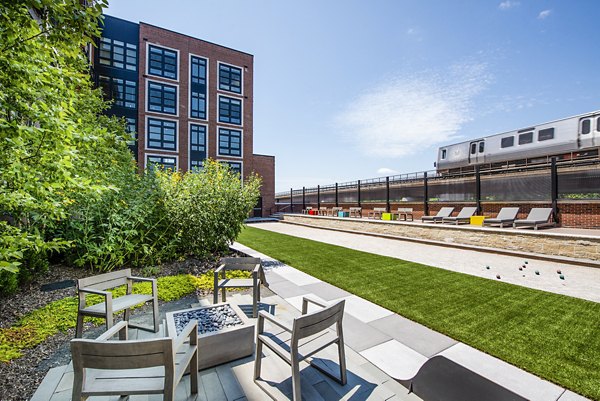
point(553, 336)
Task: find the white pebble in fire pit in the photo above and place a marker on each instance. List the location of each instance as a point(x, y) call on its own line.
point(209, 319)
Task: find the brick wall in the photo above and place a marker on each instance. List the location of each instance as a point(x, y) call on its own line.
point(265, 167)
point(187, 45)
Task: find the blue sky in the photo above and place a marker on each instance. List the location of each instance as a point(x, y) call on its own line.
point(349, 89)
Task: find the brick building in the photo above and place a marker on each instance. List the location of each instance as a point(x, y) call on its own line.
point(184, 100)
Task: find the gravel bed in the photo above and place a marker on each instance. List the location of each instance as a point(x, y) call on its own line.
point(21, 377)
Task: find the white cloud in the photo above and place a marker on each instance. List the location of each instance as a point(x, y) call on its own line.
point(387, 171)
point(505, 5)
point(544, 14)
point(409, 113)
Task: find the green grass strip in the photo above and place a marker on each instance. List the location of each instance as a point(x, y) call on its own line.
point(553, 336)
point(58, 316)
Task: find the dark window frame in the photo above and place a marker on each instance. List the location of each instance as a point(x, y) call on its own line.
point(159, 58)
point(151, 164)
point(122, 92)
point(226, 142)
point(473, 149)
point(198, 149)
point(444, 154)
point(114, 48)
point(230, 78)
point(230, 110)
point(161, 143)
point(481, 147)
point(545, 134)
point(507, 142)
point(163, 105)
point(198, 87)
point(583, 126)
point(236, 166)
point(526, 138)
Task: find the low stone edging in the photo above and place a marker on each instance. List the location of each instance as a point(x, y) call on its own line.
point(565, 248)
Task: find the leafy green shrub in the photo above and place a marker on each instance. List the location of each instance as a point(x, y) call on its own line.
point(61, 315)
point(124, 226)
point(207, 208)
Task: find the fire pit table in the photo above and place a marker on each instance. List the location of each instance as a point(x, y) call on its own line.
point(224, 332)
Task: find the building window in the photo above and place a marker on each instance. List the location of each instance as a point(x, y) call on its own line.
point(230, 142)
point(162, 62)
point(230, 78)
point(230, 110)
point(164, 162)
point(507, 142)
point(115, 53)
point(122, 92)
point(162, 98)
point(197, 146)
point(546, 134)
point(198, 87)
point(526, 138)
point(236, 167)
point(131, 127)
point(162, 134)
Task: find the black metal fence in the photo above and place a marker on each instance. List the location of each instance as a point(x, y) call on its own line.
point(548, 183)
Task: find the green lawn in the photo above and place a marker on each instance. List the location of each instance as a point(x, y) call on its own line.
point(553, 336)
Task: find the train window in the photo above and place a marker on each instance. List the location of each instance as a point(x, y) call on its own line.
point(546, 134)
point(507, 142)
point(473, 148)
point(525, 138)
point(586, 126)
point(598, 124)
point(443, 154)
point(481, 146)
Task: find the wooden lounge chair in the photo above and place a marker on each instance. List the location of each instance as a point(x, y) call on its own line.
point(405, 212)
point(537, 217)
point(122, 368)
point(376, 213)
point(464, 216)
point(356, 212)
point(443, 212)
point(245, 263)
point(292, 350)
point(99, 284)
point(506, 216)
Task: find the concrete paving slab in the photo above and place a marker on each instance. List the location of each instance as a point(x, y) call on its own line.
point(364, 310)
point(326, 291)
point(395, 359)
point(360, 336)
point(287, 289)
point(505, 374)
point(296, 301)
point(418, 337)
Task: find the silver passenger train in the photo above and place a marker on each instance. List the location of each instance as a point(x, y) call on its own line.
point(569, 138)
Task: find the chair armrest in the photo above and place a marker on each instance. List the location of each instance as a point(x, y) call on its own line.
point(190, 331)
point(133, 278)
point(120, 328)
point(307, 299)
point(220, 268)
point(265, 315)
point(97, 292)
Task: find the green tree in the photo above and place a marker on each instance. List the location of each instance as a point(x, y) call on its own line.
point(54, 142)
